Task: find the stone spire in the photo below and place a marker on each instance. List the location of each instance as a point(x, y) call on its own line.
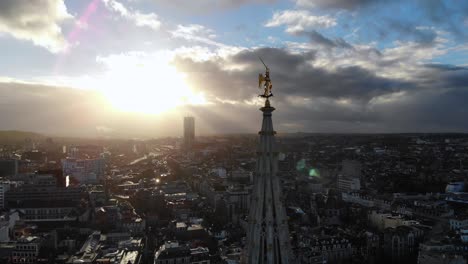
point(268, 239)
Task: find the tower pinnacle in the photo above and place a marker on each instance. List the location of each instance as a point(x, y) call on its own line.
point(268, 235)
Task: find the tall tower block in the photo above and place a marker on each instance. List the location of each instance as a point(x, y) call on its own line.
point(268, 240)
point(189, 132)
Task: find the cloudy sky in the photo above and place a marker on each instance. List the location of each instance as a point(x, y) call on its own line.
point(136, 67)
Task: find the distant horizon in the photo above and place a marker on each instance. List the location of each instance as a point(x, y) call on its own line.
point(253, 134)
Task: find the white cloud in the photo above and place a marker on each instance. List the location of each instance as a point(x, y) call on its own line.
point(36, 21)
point(299, 20)
point(194, 29)
point(204, 6)
point(150, 20)
point(197, 33)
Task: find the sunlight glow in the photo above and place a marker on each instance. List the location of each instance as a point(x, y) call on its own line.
point(146, 85)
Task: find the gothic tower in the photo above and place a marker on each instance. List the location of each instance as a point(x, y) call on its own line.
point(268, 239)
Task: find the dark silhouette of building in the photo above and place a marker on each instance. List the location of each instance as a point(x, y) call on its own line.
point(189, 132)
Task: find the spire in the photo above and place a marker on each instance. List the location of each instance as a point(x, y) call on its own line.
point(268, 236)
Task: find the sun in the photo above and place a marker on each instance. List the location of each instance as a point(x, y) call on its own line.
point(147, 86)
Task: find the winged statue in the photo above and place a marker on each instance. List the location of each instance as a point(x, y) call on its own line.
point(265, 81)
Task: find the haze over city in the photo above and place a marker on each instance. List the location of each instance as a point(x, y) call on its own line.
point(135, 68)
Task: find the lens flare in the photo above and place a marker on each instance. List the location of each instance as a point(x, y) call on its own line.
point(314, 173)
point(301, 164)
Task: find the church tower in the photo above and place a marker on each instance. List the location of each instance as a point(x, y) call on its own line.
point(268, 240)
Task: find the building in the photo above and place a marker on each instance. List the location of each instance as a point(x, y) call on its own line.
point(351, 168)
point(241, 175)
point(34, 156)
point(172, 252)
point(348, 184)
point(238, 202)
point(268, 235)
point(440, 257)
point(86, 152)
point(366, 201)
point(41, 188)
point(385, 220)
point(458, 223)
point(22, 193)
point(349, 178)
point(40, 199)
point(8, 167)
point(7, 224)
point(4, 187)
point(200, 255)
point(50, 211)
point(435, 252)
point(400, 243)
point(189, 132)
point(84, 170)
point(454, 187)
point(307, 255)
point(26, 250)
point(333, 250)
point(464, 235)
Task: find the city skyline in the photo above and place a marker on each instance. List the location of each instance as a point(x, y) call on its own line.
point(135, 68)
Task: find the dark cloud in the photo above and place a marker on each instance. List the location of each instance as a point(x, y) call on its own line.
point(307, 98)
point(282, 59)
point(345, 99)
point(446, 67)
point(448, 76)
point(435, 10)
point(319, 39)
point(48, 109)
point(293, 74)
point(427, 110)
point(426, 36)
point(447, 15)
point(38, 21)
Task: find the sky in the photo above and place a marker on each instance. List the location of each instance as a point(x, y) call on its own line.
point(134, 68)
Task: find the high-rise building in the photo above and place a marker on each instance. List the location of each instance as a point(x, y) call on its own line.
point(84, 170)
point(189, 131)
point(268, 238)
point(349, 178)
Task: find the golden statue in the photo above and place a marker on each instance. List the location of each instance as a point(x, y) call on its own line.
point(266, 81)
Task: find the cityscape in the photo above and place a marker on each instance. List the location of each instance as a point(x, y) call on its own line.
point(392, 198)
point(233, 132)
